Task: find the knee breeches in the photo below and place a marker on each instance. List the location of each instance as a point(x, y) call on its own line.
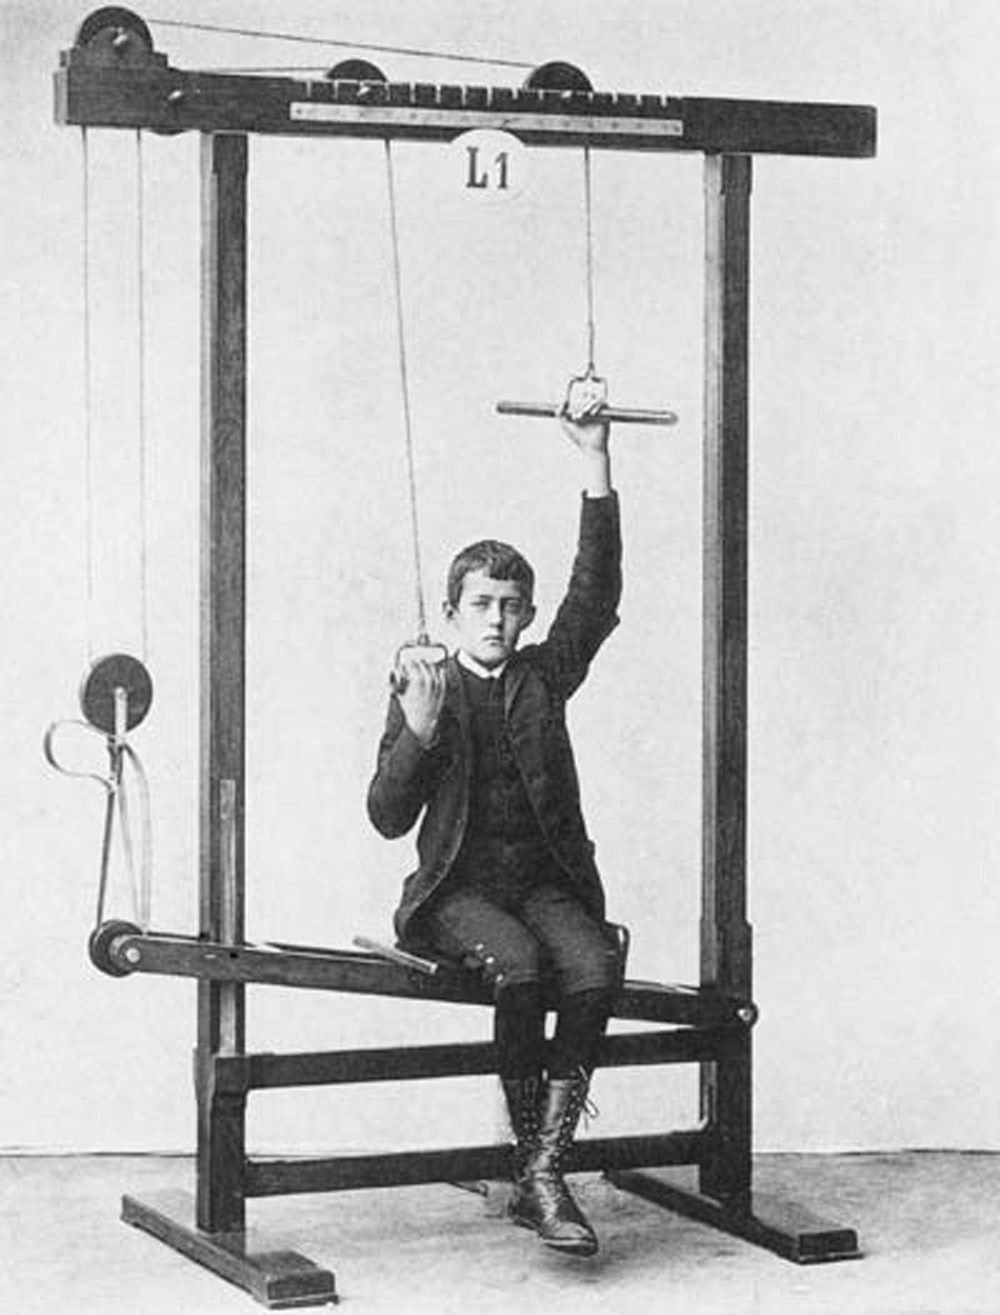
point(542, 933)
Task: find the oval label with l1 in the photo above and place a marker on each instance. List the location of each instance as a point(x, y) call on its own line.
point(489, 164)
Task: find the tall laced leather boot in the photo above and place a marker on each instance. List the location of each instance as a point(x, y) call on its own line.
point(522, 1096)
point(542, 1200)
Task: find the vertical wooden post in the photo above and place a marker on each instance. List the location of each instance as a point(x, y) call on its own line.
point(221, 1005)
point(726, 959)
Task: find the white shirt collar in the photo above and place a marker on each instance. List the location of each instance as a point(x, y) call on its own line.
point(484, 673)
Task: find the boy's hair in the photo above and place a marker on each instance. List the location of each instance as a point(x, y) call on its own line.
point(498, 561)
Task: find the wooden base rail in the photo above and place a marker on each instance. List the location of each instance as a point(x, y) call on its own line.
point(463, 1164)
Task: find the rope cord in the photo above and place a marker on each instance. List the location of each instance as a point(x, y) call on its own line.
point(301, 38)
point(588, 207)
point(411, 472)
point(139, 873)
point(88, 395)
point(142, 412)
point(121, 754)
point(88, 400)
point(309, 70)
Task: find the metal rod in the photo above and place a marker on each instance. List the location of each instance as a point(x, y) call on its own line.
point(618, 414)
point(397, 956)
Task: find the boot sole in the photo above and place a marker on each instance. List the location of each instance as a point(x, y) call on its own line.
point(580, 1248)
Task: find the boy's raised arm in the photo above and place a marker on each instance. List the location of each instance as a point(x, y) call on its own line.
point(589, 609)
point(590, 436)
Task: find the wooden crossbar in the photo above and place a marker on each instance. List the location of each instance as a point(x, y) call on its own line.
point(171, 100)
point(461, 1164)
point(239, 1074)
point(674, 1045)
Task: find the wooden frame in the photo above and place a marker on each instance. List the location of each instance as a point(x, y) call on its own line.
point(113, 77)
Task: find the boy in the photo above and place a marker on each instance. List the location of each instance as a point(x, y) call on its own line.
point(506, 878)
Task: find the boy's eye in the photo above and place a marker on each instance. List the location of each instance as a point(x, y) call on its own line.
point(508, 606)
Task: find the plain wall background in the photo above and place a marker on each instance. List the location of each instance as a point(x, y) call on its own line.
point(874, 828)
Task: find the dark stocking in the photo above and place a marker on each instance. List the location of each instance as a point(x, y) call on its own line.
point(579, 1029)
point(519, 1030)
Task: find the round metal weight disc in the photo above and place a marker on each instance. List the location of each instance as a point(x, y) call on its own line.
point(97, 693)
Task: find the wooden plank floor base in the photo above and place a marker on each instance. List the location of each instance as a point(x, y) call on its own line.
point(280, 1280)
point(789, 1230)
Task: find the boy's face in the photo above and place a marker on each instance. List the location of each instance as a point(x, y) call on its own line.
point(489, 617)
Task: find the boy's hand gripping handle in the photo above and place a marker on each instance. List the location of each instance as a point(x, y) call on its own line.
point(421, 649)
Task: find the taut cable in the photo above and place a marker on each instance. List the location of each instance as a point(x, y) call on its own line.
point(302, 39)
point(88, 398)
point(405, 387)
point(142, 410)
point(588, 208)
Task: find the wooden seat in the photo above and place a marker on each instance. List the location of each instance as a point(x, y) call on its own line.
point(121, 949)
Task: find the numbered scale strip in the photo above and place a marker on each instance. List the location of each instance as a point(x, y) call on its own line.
point(132, 86)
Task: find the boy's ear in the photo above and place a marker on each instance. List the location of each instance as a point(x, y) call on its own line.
point(529, 616)
point(449, 610)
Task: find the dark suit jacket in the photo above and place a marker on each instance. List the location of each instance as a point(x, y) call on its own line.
point(538, 681)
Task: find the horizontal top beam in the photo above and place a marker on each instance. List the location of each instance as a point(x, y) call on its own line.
point(148, 93)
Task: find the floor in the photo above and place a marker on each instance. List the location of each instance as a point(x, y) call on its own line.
point(929, 1225)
